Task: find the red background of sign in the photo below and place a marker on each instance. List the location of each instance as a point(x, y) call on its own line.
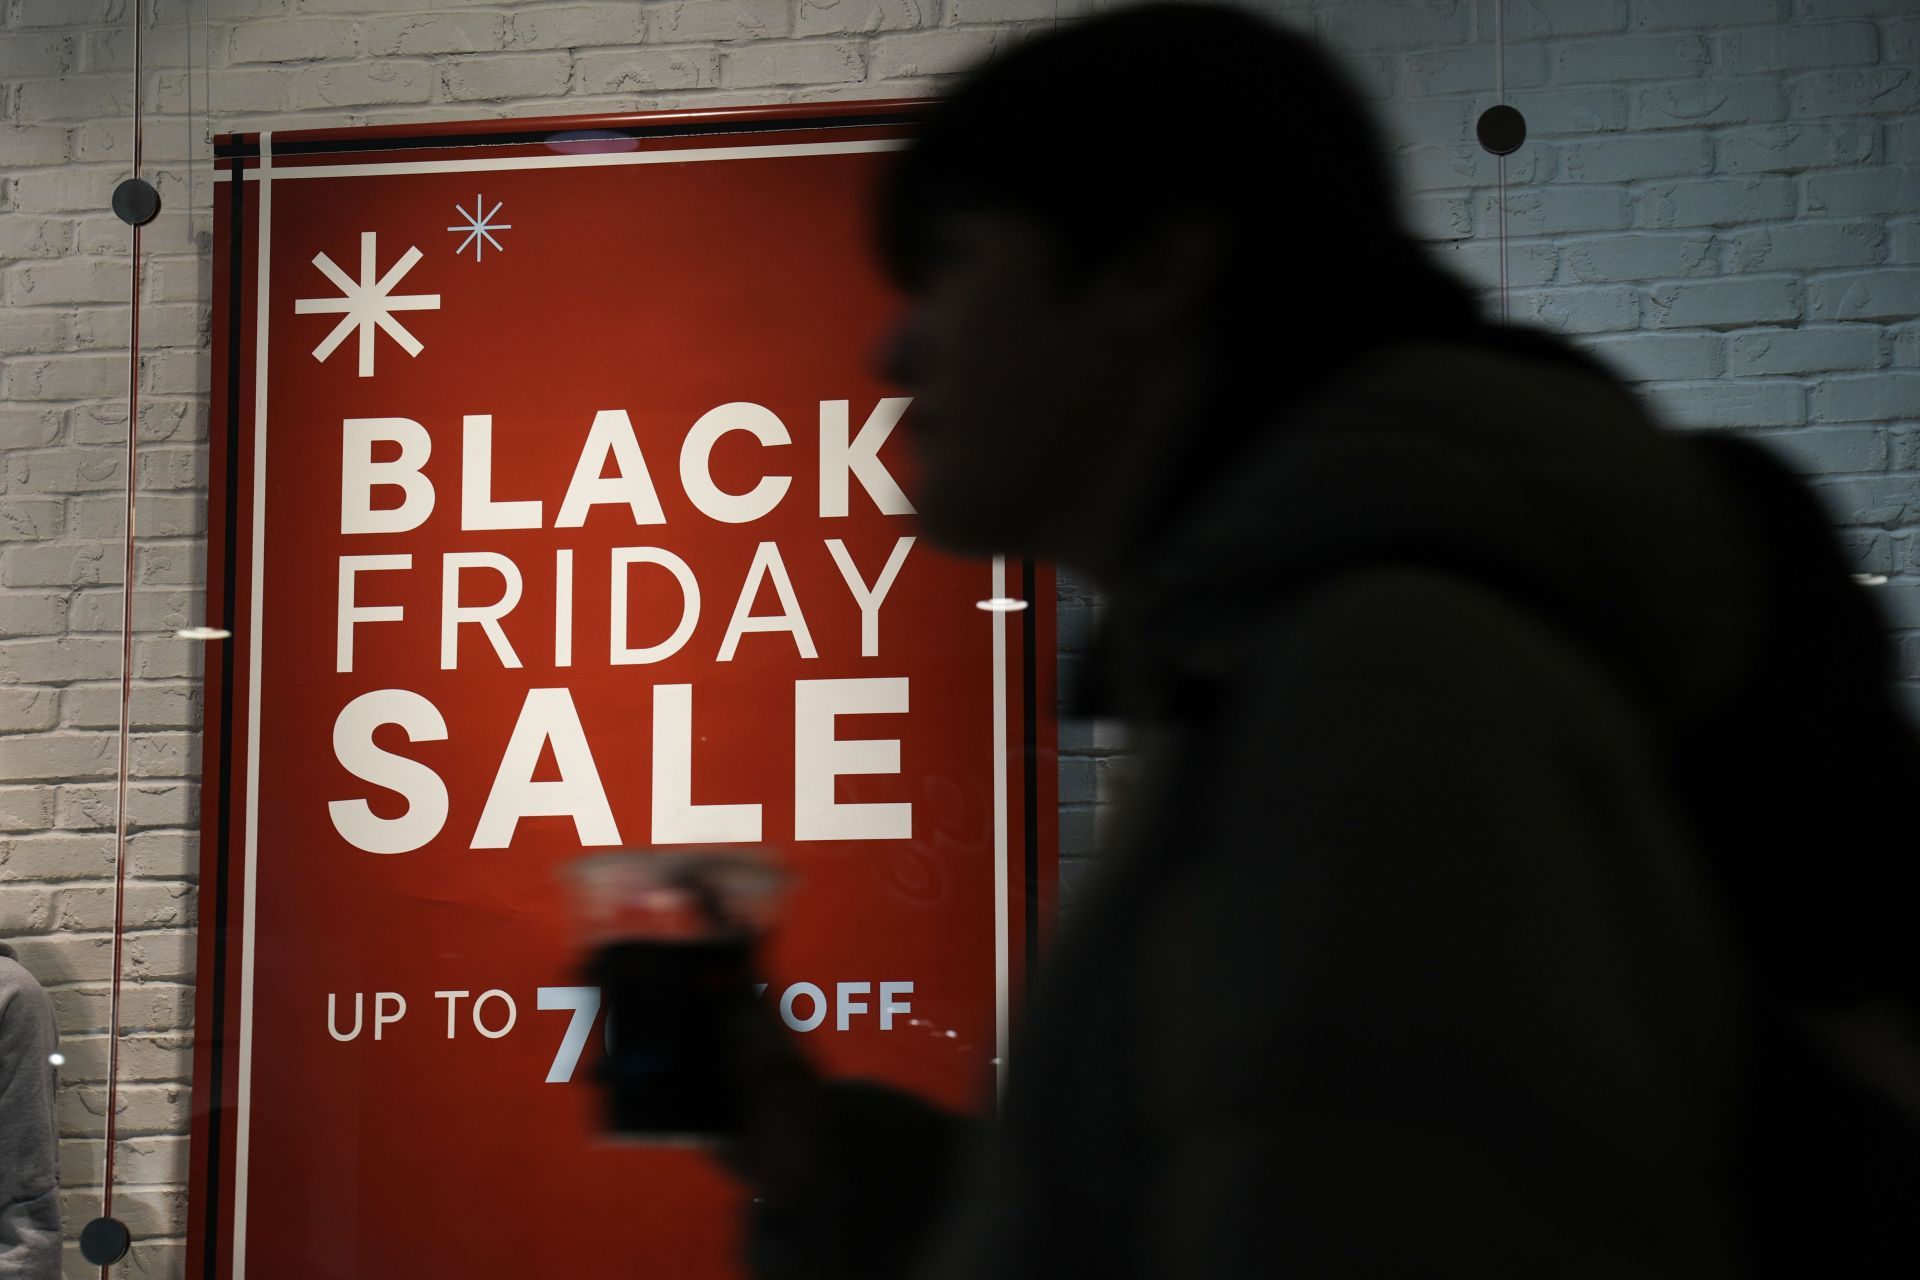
point(663, 290)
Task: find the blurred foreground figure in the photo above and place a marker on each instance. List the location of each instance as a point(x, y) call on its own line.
point(29, 1145)
point(1515, 881)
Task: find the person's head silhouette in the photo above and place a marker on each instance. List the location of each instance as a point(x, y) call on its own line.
point(1105, 286)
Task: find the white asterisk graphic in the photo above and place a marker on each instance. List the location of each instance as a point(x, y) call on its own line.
point(480, 227)
point(367, 303)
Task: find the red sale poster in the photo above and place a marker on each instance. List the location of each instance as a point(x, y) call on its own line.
point(558, 509)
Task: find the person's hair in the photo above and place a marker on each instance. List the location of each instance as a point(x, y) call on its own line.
point(1111, 131)
point(1107, 132)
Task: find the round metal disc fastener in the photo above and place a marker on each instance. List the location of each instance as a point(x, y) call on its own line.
point(1502, 129)
point(105, 1241)
point(135, 202)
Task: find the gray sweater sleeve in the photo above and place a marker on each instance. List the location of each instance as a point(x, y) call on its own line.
point(29, 1146)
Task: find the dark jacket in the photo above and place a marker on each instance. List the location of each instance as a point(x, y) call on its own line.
point(1406, 964)
point(1412, 956)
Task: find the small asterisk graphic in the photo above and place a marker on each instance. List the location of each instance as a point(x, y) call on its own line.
point(480, 227)
point(368, 303)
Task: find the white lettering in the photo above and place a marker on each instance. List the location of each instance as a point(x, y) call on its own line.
point(425, 793)
point(333, 1023)
point(546, 717)
point(584, 1003)
point(820, 758)
point(384, 1001)
point(360, 475)
point(696, 463)
point(480, 1023)
point(624, 558)
point(453, 999)
point(767, 564)
point(891, 1004)
point(844, 993)
point(676, 818)
point(453, 613)
point(630, 485)
point(351, 612)
point(812, 993)
point(869, 598)
point(478, 510)
point(839, 459)
point(563, 607)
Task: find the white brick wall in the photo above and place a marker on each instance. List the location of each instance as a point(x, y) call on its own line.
point(65, 101)
point(1722, 197)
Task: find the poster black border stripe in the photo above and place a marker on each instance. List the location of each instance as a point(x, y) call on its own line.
point(1030, 762)
point(223, 838)
point(520, 137)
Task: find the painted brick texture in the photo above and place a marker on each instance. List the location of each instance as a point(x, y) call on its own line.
point(1721, 198)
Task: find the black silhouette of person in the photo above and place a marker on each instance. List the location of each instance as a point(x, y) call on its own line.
point(1513, 883)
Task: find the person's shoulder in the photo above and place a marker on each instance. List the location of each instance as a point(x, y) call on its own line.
point(1411, 609)
point(25, 1006)
point(1401, 640)
point(13, 974)
point(1495, 370)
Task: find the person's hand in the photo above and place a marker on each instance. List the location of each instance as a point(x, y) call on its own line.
point(847, 1177)
point(781, 1150)
point(779, 1104)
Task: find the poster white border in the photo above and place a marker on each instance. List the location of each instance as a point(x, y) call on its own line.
point(265, 176)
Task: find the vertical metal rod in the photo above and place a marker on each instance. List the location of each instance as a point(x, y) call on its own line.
point(126, 645)
point(1500, 49)
point(190, 134)
point(139, 60)
point(1500, 91)
point(1502, 163)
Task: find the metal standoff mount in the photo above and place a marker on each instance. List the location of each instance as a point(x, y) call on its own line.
point(1501, 129)
point(135, 202)
point(105, 1241)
